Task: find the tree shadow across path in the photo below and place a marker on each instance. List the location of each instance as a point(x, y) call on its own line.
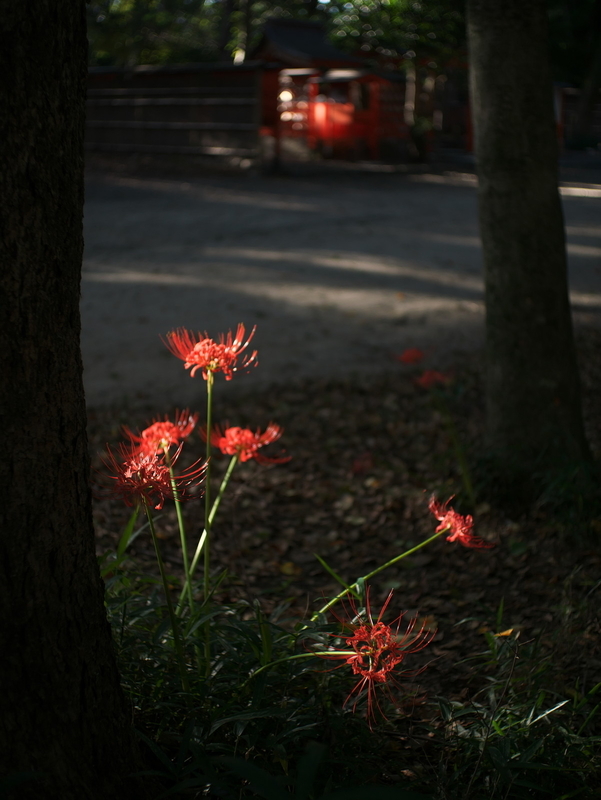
point(339, 272)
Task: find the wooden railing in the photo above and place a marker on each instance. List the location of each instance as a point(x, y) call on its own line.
point(196, 109)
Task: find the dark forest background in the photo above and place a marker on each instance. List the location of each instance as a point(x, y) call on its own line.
point(131, 32)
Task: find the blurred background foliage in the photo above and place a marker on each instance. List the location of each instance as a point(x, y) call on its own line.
point(131, 32)
point(575, 39)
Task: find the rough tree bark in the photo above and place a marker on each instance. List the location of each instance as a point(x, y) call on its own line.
point(534, 418)
point(62, 713)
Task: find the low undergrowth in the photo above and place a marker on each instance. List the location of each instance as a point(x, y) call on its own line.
point(235, 736)
point(271, 676)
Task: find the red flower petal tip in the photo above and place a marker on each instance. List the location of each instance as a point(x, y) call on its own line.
point(413, 355)
point(162, 434)
point(376, 649)
point(246, 443)
point(459, 526)
point(144, 476)
point(199, 352)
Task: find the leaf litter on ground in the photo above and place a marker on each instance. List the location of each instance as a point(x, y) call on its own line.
point(366, 455)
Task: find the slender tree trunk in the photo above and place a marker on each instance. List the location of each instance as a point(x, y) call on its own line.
point(225, 28)
point(62, 713)
point(248, 26)
point(534, 419)
point(589, 93)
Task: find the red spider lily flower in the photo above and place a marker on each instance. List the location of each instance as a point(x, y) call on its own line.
point(163, 433)
point(245, 443)
point(199, 352)
point(459, 526)
point(143, 475)
point(413, 355)
point(376, 649)
point(431, 377)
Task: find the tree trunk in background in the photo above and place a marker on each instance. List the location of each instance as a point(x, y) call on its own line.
point(225, 29)
point(248, 27)
point(589, 93)
point(589, 90)
point(534, 418)
point(62, 713)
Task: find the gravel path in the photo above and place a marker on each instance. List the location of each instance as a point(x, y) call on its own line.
point(338, 270)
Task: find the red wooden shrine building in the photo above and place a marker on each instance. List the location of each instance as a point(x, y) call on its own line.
point(327, 98)
point(298, 93)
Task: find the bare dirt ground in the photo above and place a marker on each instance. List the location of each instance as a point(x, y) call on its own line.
point(339, 268)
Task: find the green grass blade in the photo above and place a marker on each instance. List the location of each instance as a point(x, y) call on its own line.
point(127, 531)
point(588, 719)
point(336, 576)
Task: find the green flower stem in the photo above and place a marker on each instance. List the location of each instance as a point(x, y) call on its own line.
point(207, 528)
point(182, 530)
point(371, 574)
point(203, 538)
point(176, 640)
point(323, 654)
point(441, 404)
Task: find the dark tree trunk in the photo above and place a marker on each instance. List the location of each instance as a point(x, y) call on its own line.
point(248, 26)
point(225, 28)
point(589, 93)
point(62, 713)
point(534, 419)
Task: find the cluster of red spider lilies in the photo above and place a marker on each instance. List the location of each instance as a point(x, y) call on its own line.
point(142, 472)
